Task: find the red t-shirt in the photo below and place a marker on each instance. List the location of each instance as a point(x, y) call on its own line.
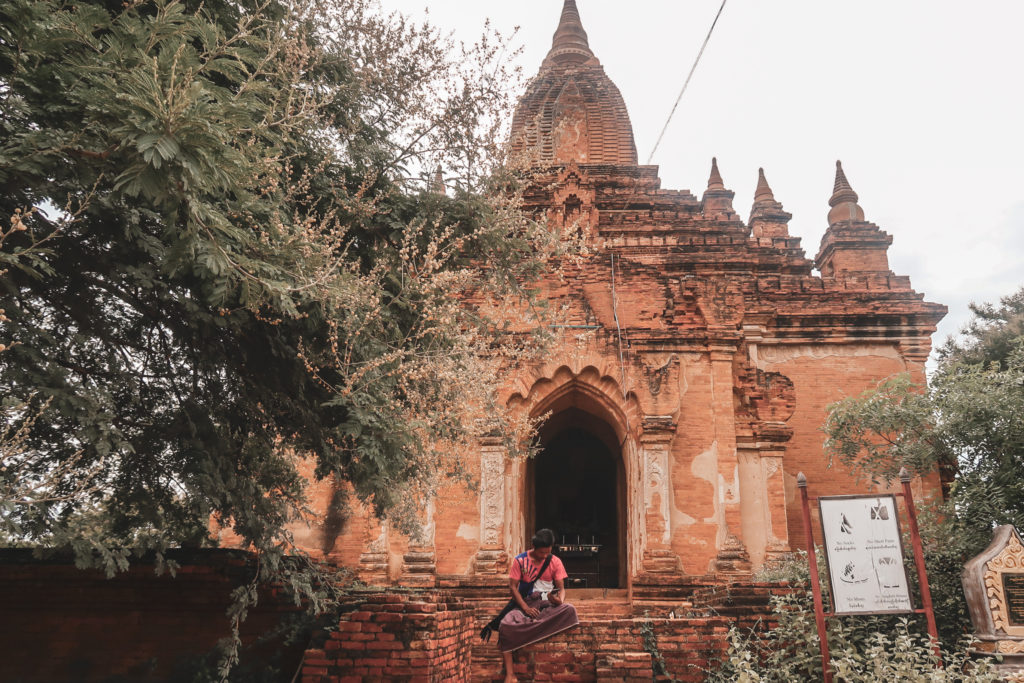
point(525, 569)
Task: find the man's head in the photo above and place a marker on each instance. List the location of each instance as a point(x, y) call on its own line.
point(544, 538)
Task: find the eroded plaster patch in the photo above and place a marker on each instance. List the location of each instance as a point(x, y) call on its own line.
point(469, 532)
point(705, 466)
point(771, 355)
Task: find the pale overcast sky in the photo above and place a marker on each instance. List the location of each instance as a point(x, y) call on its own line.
point(921, 100)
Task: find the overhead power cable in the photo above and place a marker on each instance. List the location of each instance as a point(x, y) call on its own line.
point(687, 83)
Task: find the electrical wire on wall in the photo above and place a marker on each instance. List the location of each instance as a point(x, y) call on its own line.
point(618, 329)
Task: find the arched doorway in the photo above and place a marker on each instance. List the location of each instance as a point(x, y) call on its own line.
point(576, 487)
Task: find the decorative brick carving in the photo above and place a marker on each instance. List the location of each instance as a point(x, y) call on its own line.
point(490, 558)
point(1010, 560)
point(657, 376)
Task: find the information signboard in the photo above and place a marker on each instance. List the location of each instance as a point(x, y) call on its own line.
point(864, 552)
point(1013, 593)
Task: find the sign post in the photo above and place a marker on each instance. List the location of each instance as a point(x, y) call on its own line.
point(812, 560)
point(864, 553)
point(922, 575)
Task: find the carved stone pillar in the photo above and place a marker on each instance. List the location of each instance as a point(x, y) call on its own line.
point(655, 441)
point(778, 548)
point(763, 501)
point(419, 564)
point(373, 562)
point(732, 554)
point(491, 558)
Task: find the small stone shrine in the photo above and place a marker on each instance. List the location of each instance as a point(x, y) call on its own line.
point(994, 585)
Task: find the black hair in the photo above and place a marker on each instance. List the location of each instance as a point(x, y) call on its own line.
point(544, 538)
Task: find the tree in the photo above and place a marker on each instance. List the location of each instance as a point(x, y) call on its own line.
point(967, 421)
point(217, 258)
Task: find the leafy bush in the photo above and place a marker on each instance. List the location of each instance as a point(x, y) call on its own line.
point(862, 648)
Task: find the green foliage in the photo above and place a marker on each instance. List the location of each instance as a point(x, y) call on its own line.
point(215, 260)
point(867, 649)
point(885, 429)
point(660, 668)
point(991, 336)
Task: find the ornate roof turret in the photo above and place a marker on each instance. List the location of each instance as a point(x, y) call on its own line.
point(715, 181)
point(767, 219)
point(572, 111)
point(437, 182)
point(717, 201)
point(570, 44)
point(844, 200)
point(850, 244)
point(762, 193)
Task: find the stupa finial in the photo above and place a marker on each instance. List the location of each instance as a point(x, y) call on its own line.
point(715, 182)
point(763, 193)
point(842, 192)
point(570, 44)
point(437, 184)
point(844, 200)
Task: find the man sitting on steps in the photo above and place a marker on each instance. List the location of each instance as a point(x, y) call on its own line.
point(542, 611)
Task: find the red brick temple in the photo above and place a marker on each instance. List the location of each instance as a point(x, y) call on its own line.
point(698, 352)
point(696, 357)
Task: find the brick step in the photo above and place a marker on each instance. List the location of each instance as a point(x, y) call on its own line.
point(674, 609)
point(576, 594)
point(612, 649)
point(601, 609)
point(627, 667)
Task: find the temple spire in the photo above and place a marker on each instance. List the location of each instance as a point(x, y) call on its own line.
point(844, 200)
point(767, 217)
point(570, 44)
point(437, 184)
point(715, 182)
point(763, 193)
point(842, 192)
point(717, 201)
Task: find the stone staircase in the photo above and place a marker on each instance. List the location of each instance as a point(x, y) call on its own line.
point(620, 640)
point(600, 603)
point(735, 600)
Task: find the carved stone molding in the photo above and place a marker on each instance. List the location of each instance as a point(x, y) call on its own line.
point(732, 558)
point(492, 508)
point(986, 579)
point(1010, 646)
point(1010, 560)
point(655, 442)
point(658, 429)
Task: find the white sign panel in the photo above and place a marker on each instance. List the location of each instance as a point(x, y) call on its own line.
point(864, 552)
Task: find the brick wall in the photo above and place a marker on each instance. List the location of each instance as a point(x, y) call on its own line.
point(626, 648)
point(623, 650)
point(414, 637)
point(59, 623)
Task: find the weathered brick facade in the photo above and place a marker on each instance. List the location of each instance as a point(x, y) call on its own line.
point(697, 350)
point(697, 353)
point(696, 356)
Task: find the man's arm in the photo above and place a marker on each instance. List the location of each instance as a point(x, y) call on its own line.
point(557, 596)
point(513, 585)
